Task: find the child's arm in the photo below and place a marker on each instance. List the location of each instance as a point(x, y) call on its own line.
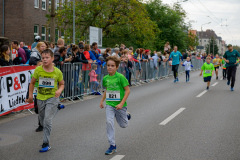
point(103, 99)
point(201, 73)
point(127, 92)
point(60, 89)
point(31, 88)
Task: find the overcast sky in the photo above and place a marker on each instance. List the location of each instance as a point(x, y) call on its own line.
point(222, 13)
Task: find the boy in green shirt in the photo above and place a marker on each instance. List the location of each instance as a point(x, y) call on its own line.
point(208, 69)
point(50, 87)
point(117, 92)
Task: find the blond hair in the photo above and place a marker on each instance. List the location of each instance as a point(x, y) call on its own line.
point(60, 41)
point(39, 45)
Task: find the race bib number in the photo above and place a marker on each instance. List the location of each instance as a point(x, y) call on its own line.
point(46, 82)
point(216, 63)
point(188, 65)
point(113, 96)
point(208, 71)
point(35, 91)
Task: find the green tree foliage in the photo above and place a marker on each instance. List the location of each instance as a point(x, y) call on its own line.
point(237, 48)
point(124, 21)
point(170, 21)
point(131, 22)
point(211, 47)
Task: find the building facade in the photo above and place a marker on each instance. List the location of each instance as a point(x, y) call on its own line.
point(204, 40)
point(25, 19)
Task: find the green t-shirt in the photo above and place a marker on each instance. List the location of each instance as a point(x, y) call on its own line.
point(224, 64)
point(36, 83)
point(116, 82)
point(43, 92)
point(207, 69)
point(232, 57)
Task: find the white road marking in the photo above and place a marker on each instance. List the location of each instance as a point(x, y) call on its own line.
point(200, 95)
point(215, 84)
point(117, 157)
point(172, 116)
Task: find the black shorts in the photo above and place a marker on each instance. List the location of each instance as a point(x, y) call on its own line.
point(207, 79)
point(175, 67)
point(216, 68)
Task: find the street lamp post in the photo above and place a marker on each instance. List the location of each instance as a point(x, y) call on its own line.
point(202, 32)
point(73, 21)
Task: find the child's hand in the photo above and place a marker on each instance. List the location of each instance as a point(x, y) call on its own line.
point(212, 74)
point(57, 94)
point(101, 105)
point(120, 106)
point(200, 74)
point(29, 100)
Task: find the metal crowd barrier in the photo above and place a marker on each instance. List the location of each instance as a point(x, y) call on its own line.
point(77, 79)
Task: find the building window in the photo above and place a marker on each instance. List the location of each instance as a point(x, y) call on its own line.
point(36, 3)
point(43, 4)
point(62, 34)
point(199, 40)
point(43, 33)
point(36, 29)
point(204, 40)
point(56, 34)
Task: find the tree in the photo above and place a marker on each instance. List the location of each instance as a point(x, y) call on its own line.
point(170, 21)
point(236, 48)
point(211, 47)
point(125, 20)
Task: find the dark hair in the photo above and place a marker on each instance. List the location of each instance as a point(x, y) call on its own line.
point(74, 47)
point(3, 50)
point(48, 51)
point(53, 44)
point(61, 49)
point(81, 43)
point(39, 62)
point(107, 50)
point(47, 45)
point(121, 49)
point(131, 48)
point(15, 42)
point(94, 44)
point(115, 59)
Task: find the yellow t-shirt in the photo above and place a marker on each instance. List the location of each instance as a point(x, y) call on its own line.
point(48, 82)
point(216, 62)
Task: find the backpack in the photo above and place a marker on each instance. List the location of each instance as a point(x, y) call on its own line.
point(28, 52)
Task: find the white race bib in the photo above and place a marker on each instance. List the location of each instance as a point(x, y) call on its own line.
point(46, 82)
point(207, 71)
point(113, 96)
point(35, 91)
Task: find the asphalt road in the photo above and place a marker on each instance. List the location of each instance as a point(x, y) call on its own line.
point(202, 128)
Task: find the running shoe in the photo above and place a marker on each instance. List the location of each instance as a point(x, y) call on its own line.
point(228, 82)
point(217, 77)
point(188, 79)
point(177, 80)
point(232, 89)
point(45, 147)
point(111, 150)
point(39, 129)
point(129, 116)
point(207, 88)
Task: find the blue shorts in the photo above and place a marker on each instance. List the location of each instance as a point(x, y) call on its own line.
point(207, 79)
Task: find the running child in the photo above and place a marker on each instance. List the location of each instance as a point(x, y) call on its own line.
point(224, 69)
point(216, 62)
point(117, 92)
point(188, 66)
point(40, 127)
point(208, 71)
point(50, 87)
